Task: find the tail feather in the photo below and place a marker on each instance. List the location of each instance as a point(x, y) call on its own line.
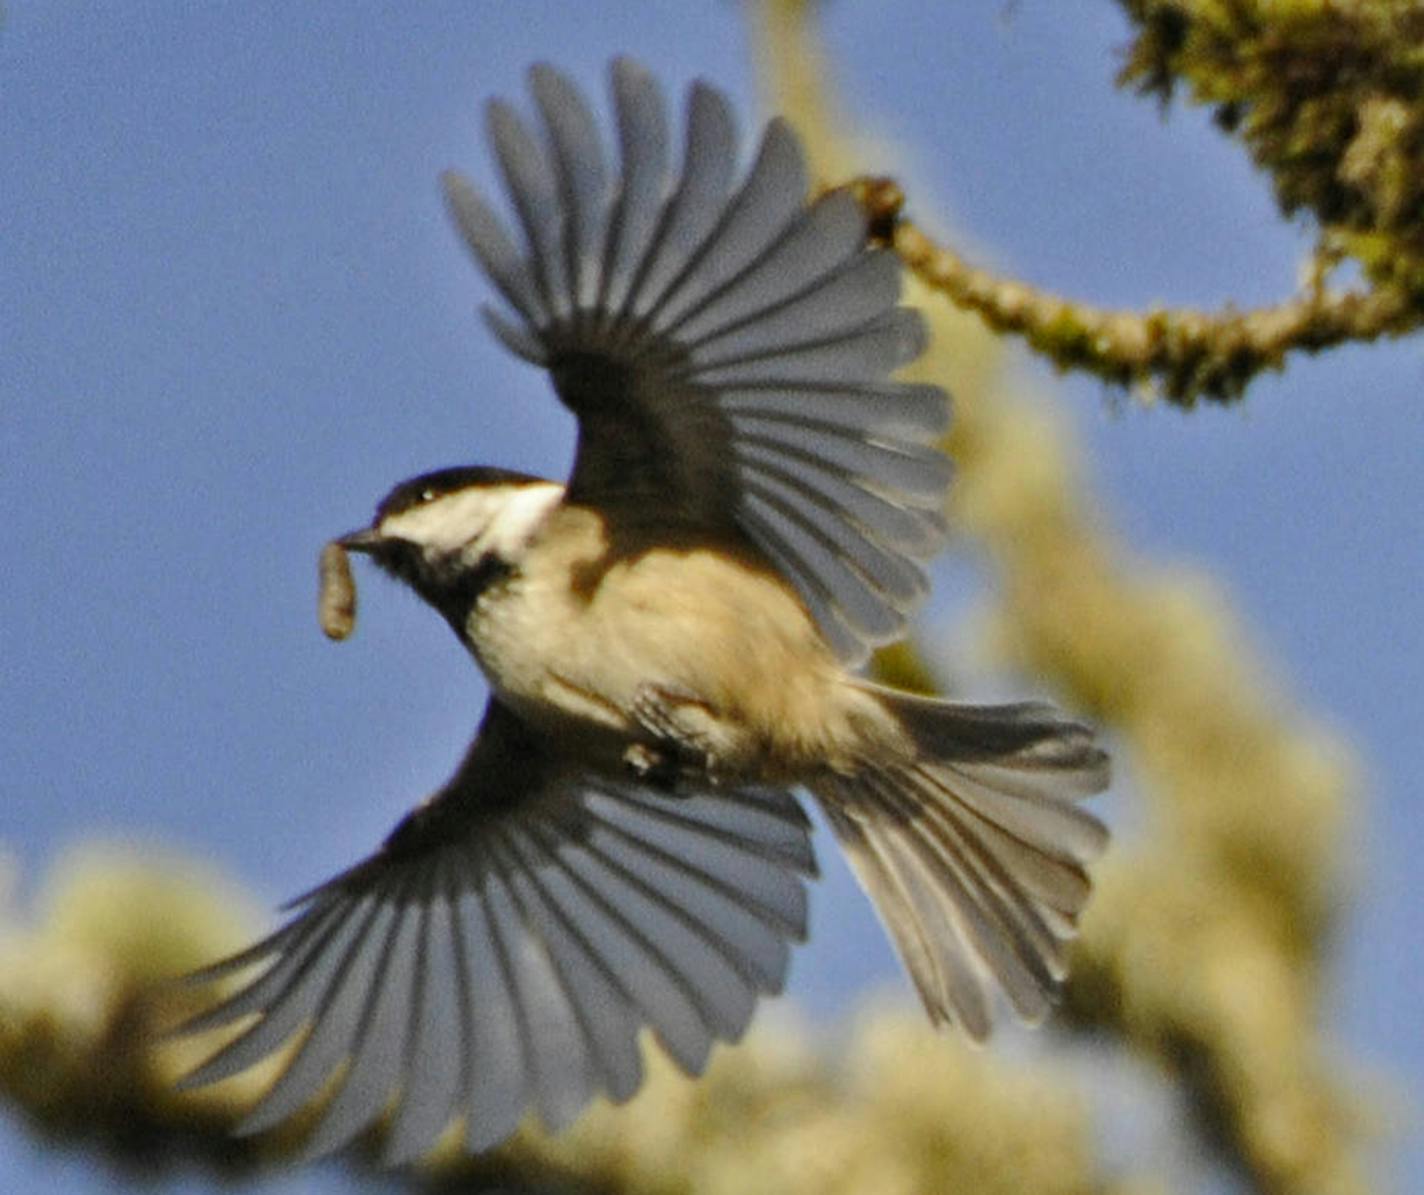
point(915, 913)
point(973, 848)
point(982, 901)
point(1054, 827)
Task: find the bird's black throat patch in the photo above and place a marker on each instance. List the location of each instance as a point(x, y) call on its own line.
point(451, 584)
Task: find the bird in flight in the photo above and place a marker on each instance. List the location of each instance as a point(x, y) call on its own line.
point(671, 639)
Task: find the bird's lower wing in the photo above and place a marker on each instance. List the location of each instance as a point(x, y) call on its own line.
point(506, 946)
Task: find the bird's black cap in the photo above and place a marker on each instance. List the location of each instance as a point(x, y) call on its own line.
point(429, 486)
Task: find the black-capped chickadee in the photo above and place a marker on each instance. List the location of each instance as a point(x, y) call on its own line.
point(669, 639)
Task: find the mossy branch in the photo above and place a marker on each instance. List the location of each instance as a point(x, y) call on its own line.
point(1182, 354)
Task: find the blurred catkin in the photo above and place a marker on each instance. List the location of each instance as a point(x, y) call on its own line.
point(1203, 947)
point(894, 1110)
point(84, 991)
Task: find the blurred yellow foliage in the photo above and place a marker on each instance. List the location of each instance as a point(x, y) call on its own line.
point(1203, 947)
point(83, 1001)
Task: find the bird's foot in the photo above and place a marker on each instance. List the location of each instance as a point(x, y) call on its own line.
point(681, 725)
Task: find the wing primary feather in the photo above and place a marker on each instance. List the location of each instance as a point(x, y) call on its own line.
point(285, 1009)
point(766, 205)
point(487, 239)
point(643, 150)
point(779, 427)
point(520, 341)
point(593, 991)
point(496, 1059)
point(866, 355)
point(693, 210)
point(860, 291)
point(905, 410)
point(379, 1046)
point(561, 1033)
point(292, 944)
point(815, 246)
point(583, 178)
point(651, 978)
point(434, 1046)
point(531, 186)
point(248, 957)
point(336, 1018)
point(561, 1059)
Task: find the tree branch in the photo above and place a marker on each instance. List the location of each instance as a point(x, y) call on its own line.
point(1182, 354)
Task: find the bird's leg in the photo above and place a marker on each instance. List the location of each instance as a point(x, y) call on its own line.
point(683, 729)
point(652, 765)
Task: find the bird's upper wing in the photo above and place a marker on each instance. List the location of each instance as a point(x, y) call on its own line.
point(508, 943)
point(726, 347)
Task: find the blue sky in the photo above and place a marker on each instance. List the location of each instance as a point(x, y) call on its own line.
point(232, 314)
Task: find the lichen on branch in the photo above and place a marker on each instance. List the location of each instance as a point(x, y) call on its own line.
point(1184, 355)
point(1328, 98)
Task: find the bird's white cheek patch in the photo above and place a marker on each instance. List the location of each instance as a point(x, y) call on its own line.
point(519, 517)
point(498, 519)
point(445, 524)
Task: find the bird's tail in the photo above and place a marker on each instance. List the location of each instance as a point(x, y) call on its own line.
point(970, 840)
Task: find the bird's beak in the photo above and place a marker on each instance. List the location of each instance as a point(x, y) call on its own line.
point(366, 540)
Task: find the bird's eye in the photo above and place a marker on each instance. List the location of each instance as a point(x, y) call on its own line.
point(427, 495)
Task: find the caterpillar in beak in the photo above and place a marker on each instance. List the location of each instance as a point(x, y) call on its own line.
point(336, 597)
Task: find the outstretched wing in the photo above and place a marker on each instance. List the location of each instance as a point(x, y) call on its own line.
point(508, 943)
point(726, 348)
